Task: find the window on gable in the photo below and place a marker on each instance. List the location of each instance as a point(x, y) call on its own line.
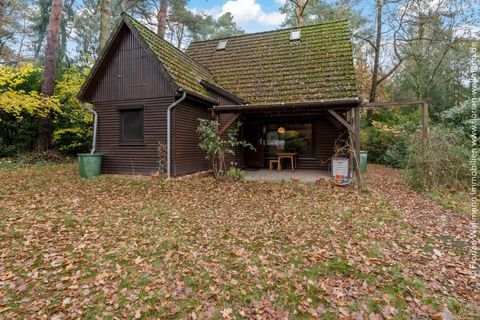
point(131, 125)
point(222, 44)
point(295, 35)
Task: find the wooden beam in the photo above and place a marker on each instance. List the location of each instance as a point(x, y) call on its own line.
point(357, 130)
point(229, 123)
point(350, 151)
point(341, 120)
point(334, 123)
point(393, 104)
point(424, 122)
point(357, 145)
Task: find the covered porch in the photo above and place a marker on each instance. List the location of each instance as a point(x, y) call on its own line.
point(313, 132)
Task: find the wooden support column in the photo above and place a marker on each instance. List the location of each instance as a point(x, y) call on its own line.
point(424, 122)
point(351, 121)
point(357, 145)
point(340, 119)
point(229, 123)
point(357, 131)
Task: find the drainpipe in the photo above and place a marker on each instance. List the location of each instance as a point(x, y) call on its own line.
point(169, 120)
point(95, 119)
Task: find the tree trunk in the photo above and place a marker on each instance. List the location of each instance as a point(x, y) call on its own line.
point(161, 18)
point(299, 12)
point(2, 9)
point(378, 42)
point(105, 15)
point(49, 73)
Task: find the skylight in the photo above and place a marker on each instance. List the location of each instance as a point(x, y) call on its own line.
point(295, 35)
point(222, 44)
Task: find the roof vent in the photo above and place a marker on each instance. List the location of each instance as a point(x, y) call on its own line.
point(295, 35)
point(222, 44)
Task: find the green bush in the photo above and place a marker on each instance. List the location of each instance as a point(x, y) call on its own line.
point(17, 134)
point(216, 146)
point(388, 145)
point(73, 126)
point(396, 156)
point(443, 163)
point(376, 142)
point(72, 140)
point(460, 118)
point(7, 150)
point(236, 174)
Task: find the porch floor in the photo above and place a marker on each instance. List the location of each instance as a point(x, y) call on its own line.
point(286, 175)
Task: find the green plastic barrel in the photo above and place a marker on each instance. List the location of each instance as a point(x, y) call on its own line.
point(89, 164)
point(363, 161)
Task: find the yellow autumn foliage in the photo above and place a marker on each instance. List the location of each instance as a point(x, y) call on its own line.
point(18, 102)
point(15, 101)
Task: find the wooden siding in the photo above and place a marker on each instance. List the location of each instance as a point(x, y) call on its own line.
point(324, 136)
point(224, 119)
point(125, 158)
point(222, 100)
point(187, 155)
point(129, 74)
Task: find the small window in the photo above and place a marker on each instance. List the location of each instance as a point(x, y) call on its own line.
point(295, 35)
point(222, 44)
point(131, 125)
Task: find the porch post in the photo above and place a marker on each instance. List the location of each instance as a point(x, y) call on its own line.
point(350, 151)
point(357, 145)
point(424, 122)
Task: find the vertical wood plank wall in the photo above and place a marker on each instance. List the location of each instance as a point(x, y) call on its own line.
point(131, 159)
point(187, 155)
point(130, 74)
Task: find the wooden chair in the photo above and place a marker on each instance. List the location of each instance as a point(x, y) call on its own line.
point(274, 162)
point(287, 155)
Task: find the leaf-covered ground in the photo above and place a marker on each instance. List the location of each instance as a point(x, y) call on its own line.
point(124, 247)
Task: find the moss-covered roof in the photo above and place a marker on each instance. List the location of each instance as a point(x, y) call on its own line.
point(183, 69)
point(267, 67)
point(259, 68)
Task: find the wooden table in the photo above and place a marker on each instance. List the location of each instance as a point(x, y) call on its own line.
point(287, 155)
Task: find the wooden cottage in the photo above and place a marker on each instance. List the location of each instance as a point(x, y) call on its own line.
point(294, 90)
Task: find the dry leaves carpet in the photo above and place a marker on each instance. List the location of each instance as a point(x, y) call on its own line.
point(120, 247)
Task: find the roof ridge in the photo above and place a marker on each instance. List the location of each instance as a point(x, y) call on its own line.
point(124, 14)
point(272, 31)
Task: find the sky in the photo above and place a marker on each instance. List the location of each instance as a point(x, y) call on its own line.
point(256, 15)
point(251, 15)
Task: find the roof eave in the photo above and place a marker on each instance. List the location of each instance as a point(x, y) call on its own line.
point(197, 96)
point(222, 92)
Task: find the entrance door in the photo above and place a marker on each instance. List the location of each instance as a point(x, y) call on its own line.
point(253, 134)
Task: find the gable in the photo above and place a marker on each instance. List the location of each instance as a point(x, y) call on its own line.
point(127, 72)
point(184, 70)
point(267, 67)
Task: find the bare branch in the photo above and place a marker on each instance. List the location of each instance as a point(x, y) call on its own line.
point(366, 40)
